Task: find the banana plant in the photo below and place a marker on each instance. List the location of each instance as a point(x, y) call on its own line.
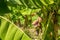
point(9, 31)
point(49, 11)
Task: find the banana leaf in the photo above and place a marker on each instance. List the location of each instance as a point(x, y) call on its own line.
point(9, 31)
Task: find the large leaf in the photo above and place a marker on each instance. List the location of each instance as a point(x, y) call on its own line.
point(9, 31)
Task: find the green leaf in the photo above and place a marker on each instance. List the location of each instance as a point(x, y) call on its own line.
point(43, 2)
point(9, 31)
point(59, 11)
point(25, 11)
point(14, 2)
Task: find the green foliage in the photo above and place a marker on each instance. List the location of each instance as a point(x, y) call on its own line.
point(22, 10)
point(9, 31)
point(3, 7)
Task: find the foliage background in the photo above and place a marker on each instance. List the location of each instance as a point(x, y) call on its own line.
point(24, 12)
